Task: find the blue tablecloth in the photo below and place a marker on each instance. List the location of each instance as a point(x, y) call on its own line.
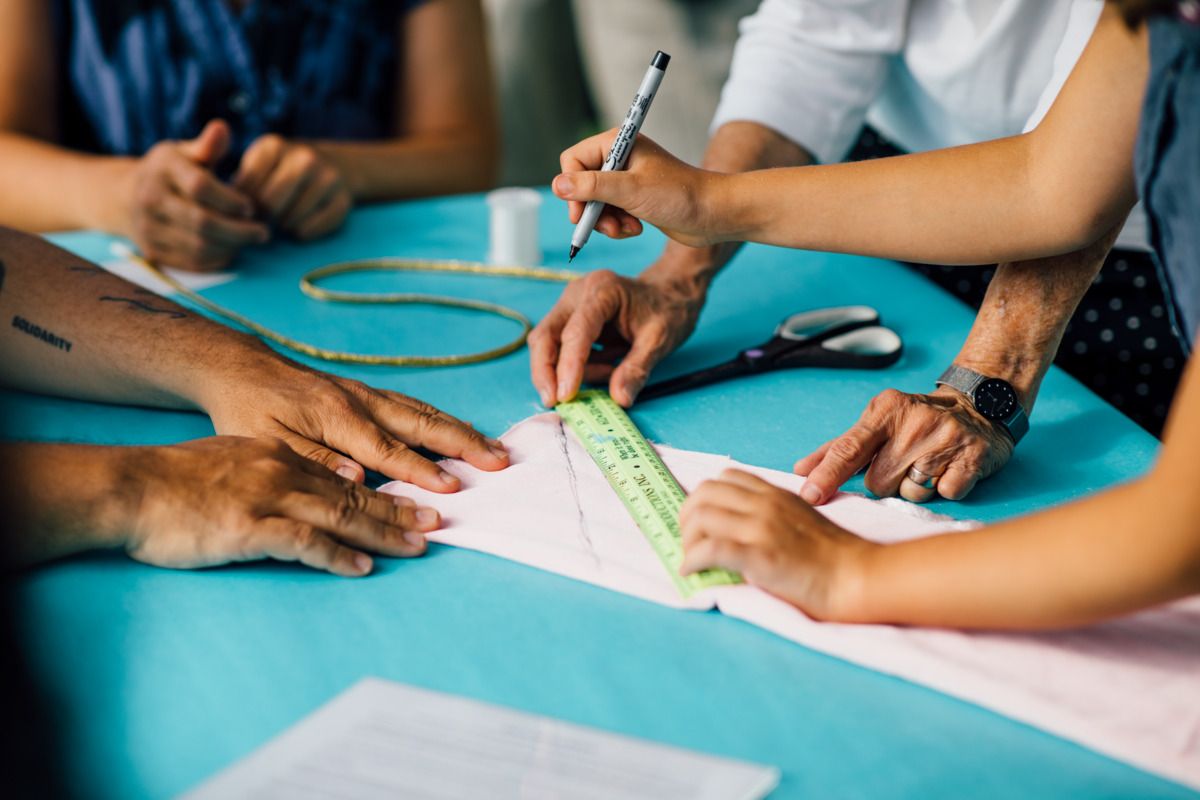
point(162, 678)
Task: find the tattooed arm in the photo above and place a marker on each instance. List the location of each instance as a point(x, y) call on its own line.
point(72, 329)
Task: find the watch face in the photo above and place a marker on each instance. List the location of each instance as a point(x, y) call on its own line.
point(995, 399)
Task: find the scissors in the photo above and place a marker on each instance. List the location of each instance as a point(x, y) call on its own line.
point(843, 337)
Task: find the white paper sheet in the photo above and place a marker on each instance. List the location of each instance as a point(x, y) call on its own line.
point(124, 266)
point(386, 740)
point(1130, 689)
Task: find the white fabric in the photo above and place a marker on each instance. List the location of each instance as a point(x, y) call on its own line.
point(1130, 689)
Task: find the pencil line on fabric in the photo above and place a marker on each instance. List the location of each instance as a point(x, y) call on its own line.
point(573, 481)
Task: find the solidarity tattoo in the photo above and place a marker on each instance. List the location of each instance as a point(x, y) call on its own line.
point(141, 306)
point(38, 332)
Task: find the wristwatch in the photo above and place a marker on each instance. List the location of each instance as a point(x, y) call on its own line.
point(994, 399)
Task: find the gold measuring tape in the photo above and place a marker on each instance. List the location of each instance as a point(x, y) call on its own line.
point(308, 285)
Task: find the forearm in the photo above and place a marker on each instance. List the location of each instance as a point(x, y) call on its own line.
point(70, 328)
point(1111, 554)
point(966, 205)
point(63, 499)
point(1024, 314)
point(735, 147)
point(44, 187)
point(416, 166)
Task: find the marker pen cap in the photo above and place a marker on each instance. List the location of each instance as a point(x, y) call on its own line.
point(514, 227)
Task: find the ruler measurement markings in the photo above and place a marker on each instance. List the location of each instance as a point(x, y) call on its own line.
point(643, 483)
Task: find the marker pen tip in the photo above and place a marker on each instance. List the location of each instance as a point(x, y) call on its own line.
point(573, 252)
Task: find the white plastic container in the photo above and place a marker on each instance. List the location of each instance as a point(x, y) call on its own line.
point(514, 227)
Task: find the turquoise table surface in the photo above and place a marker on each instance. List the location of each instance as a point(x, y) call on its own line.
point(162, 678)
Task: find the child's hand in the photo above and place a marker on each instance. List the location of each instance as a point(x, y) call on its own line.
point(654, 186)
point(777, 542)
point(295, 186)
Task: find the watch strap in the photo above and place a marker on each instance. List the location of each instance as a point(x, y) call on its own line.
point(967, 381)
point(960, 378)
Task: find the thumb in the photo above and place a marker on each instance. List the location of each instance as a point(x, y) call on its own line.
point(614, 188)
point(210, 146)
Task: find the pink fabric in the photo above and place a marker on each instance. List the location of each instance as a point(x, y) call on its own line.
point(1129, 689)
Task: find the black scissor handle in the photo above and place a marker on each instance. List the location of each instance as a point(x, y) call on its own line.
point(825, 322)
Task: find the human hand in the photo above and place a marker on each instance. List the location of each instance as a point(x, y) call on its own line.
point(179, 213)
point(940, 434)
point(777, 542)
point(343, 424)
point(295, 186)
point(223, 499)
point(637, 322)
point(654, 186)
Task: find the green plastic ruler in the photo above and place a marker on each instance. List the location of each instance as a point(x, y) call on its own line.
point(640, 478)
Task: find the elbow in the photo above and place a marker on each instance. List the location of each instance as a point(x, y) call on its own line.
point(474, 163)
point(482, 165)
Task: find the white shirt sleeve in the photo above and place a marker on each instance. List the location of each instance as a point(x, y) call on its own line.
point(809, 69)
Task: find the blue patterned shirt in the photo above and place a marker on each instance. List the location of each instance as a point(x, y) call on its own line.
point(136, 72)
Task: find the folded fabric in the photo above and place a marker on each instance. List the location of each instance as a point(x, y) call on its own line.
point(1129, 689)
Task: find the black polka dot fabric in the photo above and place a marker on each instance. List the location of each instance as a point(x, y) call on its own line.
point(1120, 342)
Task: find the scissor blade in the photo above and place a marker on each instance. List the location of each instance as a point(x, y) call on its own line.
point(694, 380)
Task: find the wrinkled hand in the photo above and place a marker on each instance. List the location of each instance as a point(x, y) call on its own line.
point(179, 213)
point(294, 186)
point(776, 541)
point(939, 433)
point(225, 499)
point(636, 322)
point(346, 425)
point(654, 186)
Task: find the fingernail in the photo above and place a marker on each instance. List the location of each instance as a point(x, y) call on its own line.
point(414, 538)
point(546, 399)
point(447, 478)
point(811, 494)
point(427, 516)
point(348, 472)
point(564, 389)
point(499, 453)
point(362, 563)
point(564, 185)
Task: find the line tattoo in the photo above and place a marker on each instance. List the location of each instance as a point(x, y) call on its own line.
point(2, 272)
point(138, 304)
point(38, 332)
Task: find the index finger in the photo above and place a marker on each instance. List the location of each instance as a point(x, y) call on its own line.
point(197, 183)
point(589, 154)
point(578, 336)
point(543, 352)
point(418, 423)
point(845, 456)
